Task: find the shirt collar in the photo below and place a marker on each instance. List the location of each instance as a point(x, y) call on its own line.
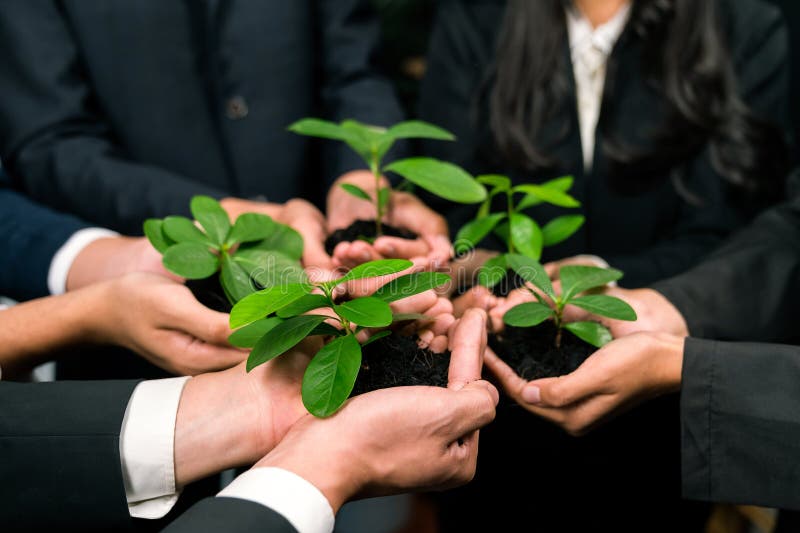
point(604, 37)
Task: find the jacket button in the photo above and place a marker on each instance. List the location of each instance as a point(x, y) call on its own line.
point(236, 108)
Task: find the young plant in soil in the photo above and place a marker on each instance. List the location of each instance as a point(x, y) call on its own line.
point(276, 319)
point(246, 254)
point(520, 233)
point(372, 143)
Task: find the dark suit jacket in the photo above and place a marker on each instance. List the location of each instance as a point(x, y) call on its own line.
point(30, 235)
point(649, 234)
point(230, 515)
point(117, 111)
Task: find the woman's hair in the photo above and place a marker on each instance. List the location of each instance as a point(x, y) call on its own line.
point(686, 59)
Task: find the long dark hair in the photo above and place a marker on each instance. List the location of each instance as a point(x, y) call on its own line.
point(686, 59)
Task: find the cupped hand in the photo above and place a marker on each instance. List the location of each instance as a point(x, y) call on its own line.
point(619, 376)
point(162, 321)
point(400, 439)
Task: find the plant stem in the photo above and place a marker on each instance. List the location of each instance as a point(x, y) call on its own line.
point(559, 316)
point(376, 171)
point(510, 202)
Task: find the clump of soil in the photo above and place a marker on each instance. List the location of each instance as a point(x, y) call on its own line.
point(532, 352)
point(398, 361)
point(209, 293)
point(363, 230)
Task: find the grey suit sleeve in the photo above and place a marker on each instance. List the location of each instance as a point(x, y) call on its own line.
point(231, 515)
point(59, 455)
point(740, 423)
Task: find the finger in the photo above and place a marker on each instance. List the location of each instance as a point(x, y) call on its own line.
point(477, 297)
point(467, 345)
point(397, 248)
point(509, 380)
point(419, 303)
point(503, 305)
point(439, 344)
point(552, 269)
point(563, 391)
point(314, 254)
point(186, 355)
point(441, 250)
point(184, 313)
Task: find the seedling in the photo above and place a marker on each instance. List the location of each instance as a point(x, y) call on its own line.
point(332, 373)
point(254, 249)
point(574, 281)
point(520, 233)
point(443, 179)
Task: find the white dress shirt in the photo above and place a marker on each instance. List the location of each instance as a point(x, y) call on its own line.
point(65, 256)
point(590, 49)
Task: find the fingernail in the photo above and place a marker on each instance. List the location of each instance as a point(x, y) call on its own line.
point(531, 394)
point(426, 336)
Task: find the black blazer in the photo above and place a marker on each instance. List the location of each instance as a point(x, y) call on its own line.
point(119, 110)
point(649, 234)
point(230, 515)
point(31, 235)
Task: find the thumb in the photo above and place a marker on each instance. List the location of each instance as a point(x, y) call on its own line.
point(197, 320)
point(562, 391)
point(474, 407)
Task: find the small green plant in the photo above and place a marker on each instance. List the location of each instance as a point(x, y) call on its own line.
point(575, 280)
point(521, 234)
point(443, 179)
point(254, 249)
point(331, 374)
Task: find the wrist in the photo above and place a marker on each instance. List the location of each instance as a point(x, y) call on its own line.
point(670, 362)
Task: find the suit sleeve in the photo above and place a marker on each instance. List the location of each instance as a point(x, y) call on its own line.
point(30, 235)
point(761, 63)
point(746, 290)
point(232, 515)
point(54, 139)
point(740, 423)
point(60, 466)
point(353, 87)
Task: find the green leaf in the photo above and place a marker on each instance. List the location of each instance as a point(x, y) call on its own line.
point(356, 191)
point(607, 306)
point(181, 229)
point(562, 184)
point(370, 142)
point(500, 183)
point(379, 335)
point(314, 127)
point(417, 129)
point(548, 194)
point(330, 376)
point(527, 315)
point(369, 312)
point(493, 271)
point(526, 236)
point(483, 210)
point(235, 280)
point(409, 285)
point(191, 260)
point(282, 338)
point(251, 227)
point(212, 217)
point(384, 194)
point(268, 268)
point(474, 232)
point(248, 336)
point(591, 332)
point(532, 271)
point(445, 180)
point(281, 238)
point(263, 303)
point(304, 304)
point(577, 279)
point(153, 230)
point(327, 330)
point(560, 229)
point(374, 269)
point(503, 231)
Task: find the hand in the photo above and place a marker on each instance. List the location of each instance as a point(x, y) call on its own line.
point(304, 218)
point(432, 248)
point(401, 439)
point(433, 333)
point(617, 377)
point(162, 321)
point(111, 257)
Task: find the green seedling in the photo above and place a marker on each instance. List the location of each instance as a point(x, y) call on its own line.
point(520, 233)
point(575, 280)
point(251, 253)
point(276, 319)
point(372, 143)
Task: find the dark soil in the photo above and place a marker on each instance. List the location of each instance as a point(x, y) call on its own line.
point(397, 361)
point(361, 230)
point(532, 352)
point(209, 293)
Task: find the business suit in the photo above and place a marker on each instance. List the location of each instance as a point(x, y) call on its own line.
point(30, 235)
point(118, 111)
point(642, 224)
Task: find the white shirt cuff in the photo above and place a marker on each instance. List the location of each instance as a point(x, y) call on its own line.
point(286, 493)
point(65, 256)
point(147, 447)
